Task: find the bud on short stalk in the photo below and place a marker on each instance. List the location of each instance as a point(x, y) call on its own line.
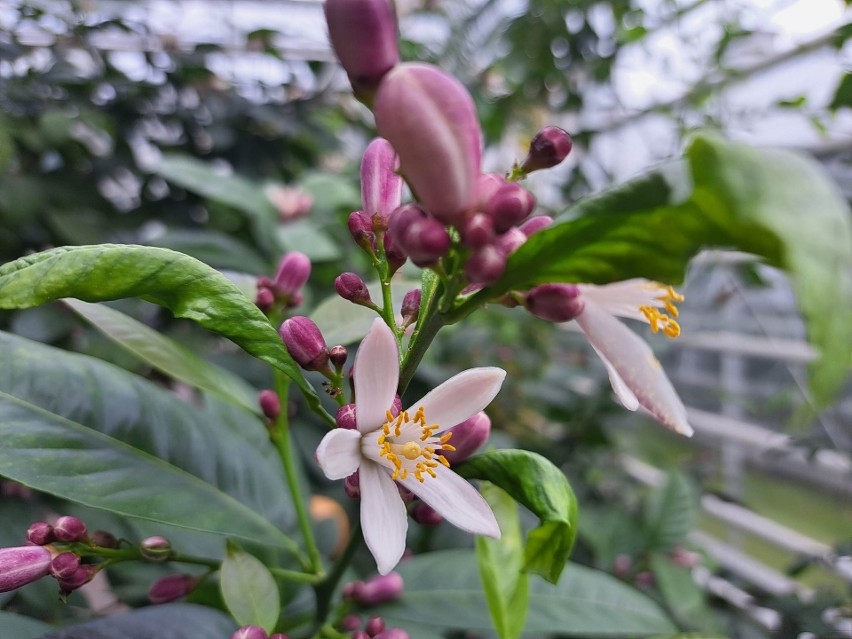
point(350, 623)
point(486, 186)
point(171, 588)
point(394, 254)
point(264, 299)
point(104, 539)
point(352, 486)
point(477, 231)
point(305, 343)
point(485, 265)
point(293, 272)
point(430, 119)
point(374, 626)
point(78, 579)
point(40, 533)
point(361, 229)
point(510, 205)
point(423, 238)
point(346, 417)
point(511, 240)
point(69, 529)
point(64, 565)
point(379, 589)
point(536, 224)
point(425, 515)
point(555, 302)
point(250, 632)
point(392, 633)
point(411, 306)
point(381, 185)
point(156, 549)
point(468, 437)
point(337, 355)
point(270, 404)
point(22, 565)
point(548, 148)
point(351, 287)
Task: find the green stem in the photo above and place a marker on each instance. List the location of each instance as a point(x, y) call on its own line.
point(420, 341)
point(294, 575)
point(325, 589)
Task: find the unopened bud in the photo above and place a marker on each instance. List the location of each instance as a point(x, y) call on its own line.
point(64, 565)
point(40, 533)
point(548, 148)
point(351, 287)
point(250, 632)
point(350, 623)
point(430, 119)
point(291, 203)
point(346, 417)
point(644, 579)
point(171, 588)
point(361, 229)
point(381, 185)
point(486, 186)
point(622, 565)
point(352, 486)
point(380, 589)
point(510, 205)
point(555, 302)
point(22, 565)
point(349, 589)
point(360, 634)
point(270, 404)
point(392, 633)
point(264, 299)
point(468, 437)
point(104, 539)
point(78, 579)
point(423, 238)
point(511, 240)
point(425, 515)
point(536, 224)
point(374, 626)
point(477, 231)
point(337, 355)
point(393, 253)
point(364, 36)
point(69, 529)
point(293, 272)
point(411, 306)
point(157, 548)
point(485, 265)
point(304, 342)
point(685, 558)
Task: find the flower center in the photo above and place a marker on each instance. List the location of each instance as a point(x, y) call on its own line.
point(659, 320)
point(410, 446)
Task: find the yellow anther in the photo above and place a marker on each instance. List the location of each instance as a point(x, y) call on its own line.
point(661, 321)
point(429, 449)
point(446, 437)
point(395, 475)
point(418, 475)
point(386, 429)
point(404, 474)
point(381, 440)
point(448, 447)
point(389, 415)
point(672, 309)
point(430, 471)
point(443, 460)
point(431, 464)
point(411, 450)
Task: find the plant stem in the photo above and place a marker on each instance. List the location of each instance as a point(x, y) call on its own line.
point(420, 342)
point(325, 589)
point(294, 575)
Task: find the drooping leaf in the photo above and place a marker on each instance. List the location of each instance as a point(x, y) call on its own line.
point(166, 355)
point(536, 483)
point(21, 627)
point(501, 562)
point(670, 511)
point(249, 590)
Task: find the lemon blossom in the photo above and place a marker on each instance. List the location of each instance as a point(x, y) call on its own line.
point(407, 448)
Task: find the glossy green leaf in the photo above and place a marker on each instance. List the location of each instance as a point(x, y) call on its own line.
point(669, 513)
point(166, 355)
point(21, 627)
point(501, 563)
point(249, 590)
point(536, 483)
point(187, 287)
point(443, 591)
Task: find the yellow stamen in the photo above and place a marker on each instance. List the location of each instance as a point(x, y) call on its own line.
point(443, 460)
point(446, 437)
point(448, 447)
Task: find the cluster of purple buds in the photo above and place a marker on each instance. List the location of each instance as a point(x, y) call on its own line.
point(292, 274)
point(256, 632)
point(376, 590)
point(374, 628)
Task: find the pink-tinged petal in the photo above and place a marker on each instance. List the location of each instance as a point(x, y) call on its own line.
point(456, 500)
point(383, 517)
point(339, 453)
point(376, 376)
point(637, 371)
point(624, 394)
point(461, 396)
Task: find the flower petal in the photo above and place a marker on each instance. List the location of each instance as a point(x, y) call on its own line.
point(376, 376)
point(339, 453)
point(456, 500)
point(635, 366)
point(461, 396)
point(383, 516)
point(624, 298)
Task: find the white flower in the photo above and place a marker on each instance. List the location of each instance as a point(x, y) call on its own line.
point(636, 375)
point(406, 448)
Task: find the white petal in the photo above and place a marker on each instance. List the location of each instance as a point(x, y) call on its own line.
point(384, 520)
point(339, 453)
point(461, 396)
point(456, 500)
point(624, 298)
point(636, 368)
point(624, 394)
point(376, 376)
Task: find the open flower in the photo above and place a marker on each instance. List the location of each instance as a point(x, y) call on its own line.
point(407, 448)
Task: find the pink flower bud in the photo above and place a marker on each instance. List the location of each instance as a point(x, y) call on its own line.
point(291, 203)
point(555, 302)
point(78, 579)
point(644, 579)
point(350, 623)
point(379, 589)
point(264, 299)
point(510, 205)
point(337, 355)
point(536, 224)
point(392, 633)
point(22, 565)
point(395, 255)
point(430, 119)
point(374, 626)
point(69, 529)
point(294, 269)
point(486, 186)
point(349, 589)
point(685, 558)
point(423, 238)
point(622, 565)
point(304, 342)
point(346, 417)
point(411, 306)
point(477, 231)
point(468, 437)
point(363, 34)
point(548, 148)
point(352, 486)
point(361, 229)
point(104, 539)
point(511, 240)
point(64, 565)
point(485, 265)
point(40, 533)
point(270, 403)
point(381, 185)
point(351, 287)
point(250, 632)
point(425, 515)
point(156, 548)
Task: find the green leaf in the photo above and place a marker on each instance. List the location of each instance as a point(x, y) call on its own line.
point(669, 513)
point(843, 93)
point(305, 236)
point(187, 287)
point(249, 590)
point(683, 597)
point(167, 356)
point(21, 627)
point(443, 591)
point(536, 483)
point(501, 561)
point(214, 248)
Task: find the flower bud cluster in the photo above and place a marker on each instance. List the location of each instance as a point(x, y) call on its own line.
point(292, 274)
point(376, 590)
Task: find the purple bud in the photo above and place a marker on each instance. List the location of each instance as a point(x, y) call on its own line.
point(685, 558)
point(350, 623)
point(294, 269)
point(250, 632)
point(425, 515)
point(477, 231)
point(270, 403)
point(349, 589)
point(379, 589)
point(396, 407)
point(485, 265)
point(360, 634)
point(548, 148)
point(337, 355)
point(555, 302)
point(393, 252)
point(406, 495)
point(486, 186)
point(361, 229)
point(392, 633)
point(622, 565)
point(644, 579)
point(374, 626)
point(511, 240)
point(64, 565)
point(264, 299)
point(40, 533)
point(381, 185)
point(411, 306)
point(352, 486)
point(536, 224)
point(22, 565)
point(351, 287)
point(468, 437)
point(346, 417)
point(69, 529)
point(156, 548)
point(430, 119)
point(423, 238)
point(78, 579)
point(510, 205)
point(291, 203)
point(104, 539)
point(363, 34)
point(304, 342)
